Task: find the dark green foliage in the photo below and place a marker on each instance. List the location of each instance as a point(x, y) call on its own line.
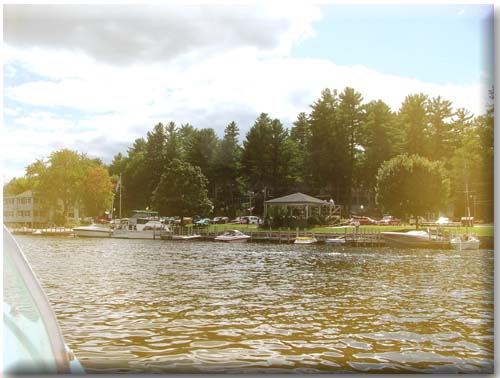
point(182, 191)
point(380, 138)
point(412, 185)
point(227, 171)
point(336, 150)
point(440, 128)
point(351, 117)
point(268, 161)
point(413, 118)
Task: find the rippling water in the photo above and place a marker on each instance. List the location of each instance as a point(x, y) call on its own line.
point(161, 306)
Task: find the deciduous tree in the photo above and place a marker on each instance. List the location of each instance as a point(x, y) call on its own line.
point(412, 185)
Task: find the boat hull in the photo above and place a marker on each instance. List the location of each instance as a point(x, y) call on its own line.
point(335, 241)
point(305, 242)
point(84, 233)
point(186, 237)
point(232, 240)
point(405, 240)
point(132, 234)
point(461, 245)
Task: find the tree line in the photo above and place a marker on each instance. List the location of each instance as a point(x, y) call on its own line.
point(340, 148)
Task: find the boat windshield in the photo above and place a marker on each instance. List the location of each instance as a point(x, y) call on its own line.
point(32, 341)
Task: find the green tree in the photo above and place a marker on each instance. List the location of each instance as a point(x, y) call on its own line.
point(327, 149)
point(154, 157)
point(267, 159)
point(380, 138)
point(227, 170)
point(351, 116)
point(63, 178)
point(182, 191)
point(300, 133)
point(439, 129)
point(201, 148)
point(134, 178)
point(413, 119)
point(97, 191)
point(172, 145)
point(412, 185)
point(16, 185)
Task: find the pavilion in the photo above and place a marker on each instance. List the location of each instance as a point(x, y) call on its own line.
point(307, 205)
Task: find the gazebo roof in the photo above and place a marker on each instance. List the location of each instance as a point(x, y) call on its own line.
point(295, 198)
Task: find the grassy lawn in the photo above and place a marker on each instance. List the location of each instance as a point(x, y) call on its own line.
point(482, 230)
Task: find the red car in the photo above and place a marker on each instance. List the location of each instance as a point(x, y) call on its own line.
point(389, 220)
point(362, 220)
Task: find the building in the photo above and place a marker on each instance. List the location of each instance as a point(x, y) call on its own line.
point(29, 210)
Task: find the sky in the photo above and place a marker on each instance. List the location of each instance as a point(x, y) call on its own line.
point(93, 78)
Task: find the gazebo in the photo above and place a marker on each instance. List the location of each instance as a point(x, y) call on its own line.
point(298, 201)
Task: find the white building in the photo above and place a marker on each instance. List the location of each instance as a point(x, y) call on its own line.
point(28, 209)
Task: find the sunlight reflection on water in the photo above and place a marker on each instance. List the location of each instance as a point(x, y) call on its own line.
point(161, 306)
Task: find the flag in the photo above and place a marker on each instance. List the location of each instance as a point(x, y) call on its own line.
point(118, 183)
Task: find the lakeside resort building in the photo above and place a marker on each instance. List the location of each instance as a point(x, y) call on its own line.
point(29, 210)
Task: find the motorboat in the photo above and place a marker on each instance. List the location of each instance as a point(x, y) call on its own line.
point(415, 239)
point(96, 230)
point(337, 240)
point(32, 340)
point(186, 237)
point(152, 229)
point(232, 236)
point(465, 242)
point(305, 240)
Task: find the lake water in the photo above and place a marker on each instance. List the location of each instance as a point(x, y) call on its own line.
point(162, 306)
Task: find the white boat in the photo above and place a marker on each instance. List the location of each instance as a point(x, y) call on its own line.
point(32, 340)
point(232, 236)
point(152, 229)
point(305, 240)
point(415, 239)
point(96, 230)
point(337, 240)
point(37, 232)
point(464, 242)
point(186, 237)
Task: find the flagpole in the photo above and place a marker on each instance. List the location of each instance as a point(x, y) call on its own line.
point(120, 197)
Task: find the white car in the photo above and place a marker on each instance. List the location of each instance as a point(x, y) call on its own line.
point(443, 220)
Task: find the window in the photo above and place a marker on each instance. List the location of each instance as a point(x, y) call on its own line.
point(7, 213)
point(8, 201)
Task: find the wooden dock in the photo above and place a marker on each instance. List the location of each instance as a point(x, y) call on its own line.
point(360, 239)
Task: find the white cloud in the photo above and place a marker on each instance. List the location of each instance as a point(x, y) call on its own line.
point(135, 33)
point(92, 104)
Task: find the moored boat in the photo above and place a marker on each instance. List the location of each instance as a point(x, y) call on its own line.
point(337, 240)
point(96, 230)
point(305, 240)
point(465, 242)
point(186, 237)
point(232, 236)
point(415, 239)
point(152, 229)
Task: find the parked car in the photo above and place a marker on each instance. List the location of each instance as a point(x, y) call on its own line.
point(362, 220)
point(251, 219)
point(221, 220)
point(443, 221)
point(203, 222)
point(389, 220)
point(238, 220)
point(413, 220)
